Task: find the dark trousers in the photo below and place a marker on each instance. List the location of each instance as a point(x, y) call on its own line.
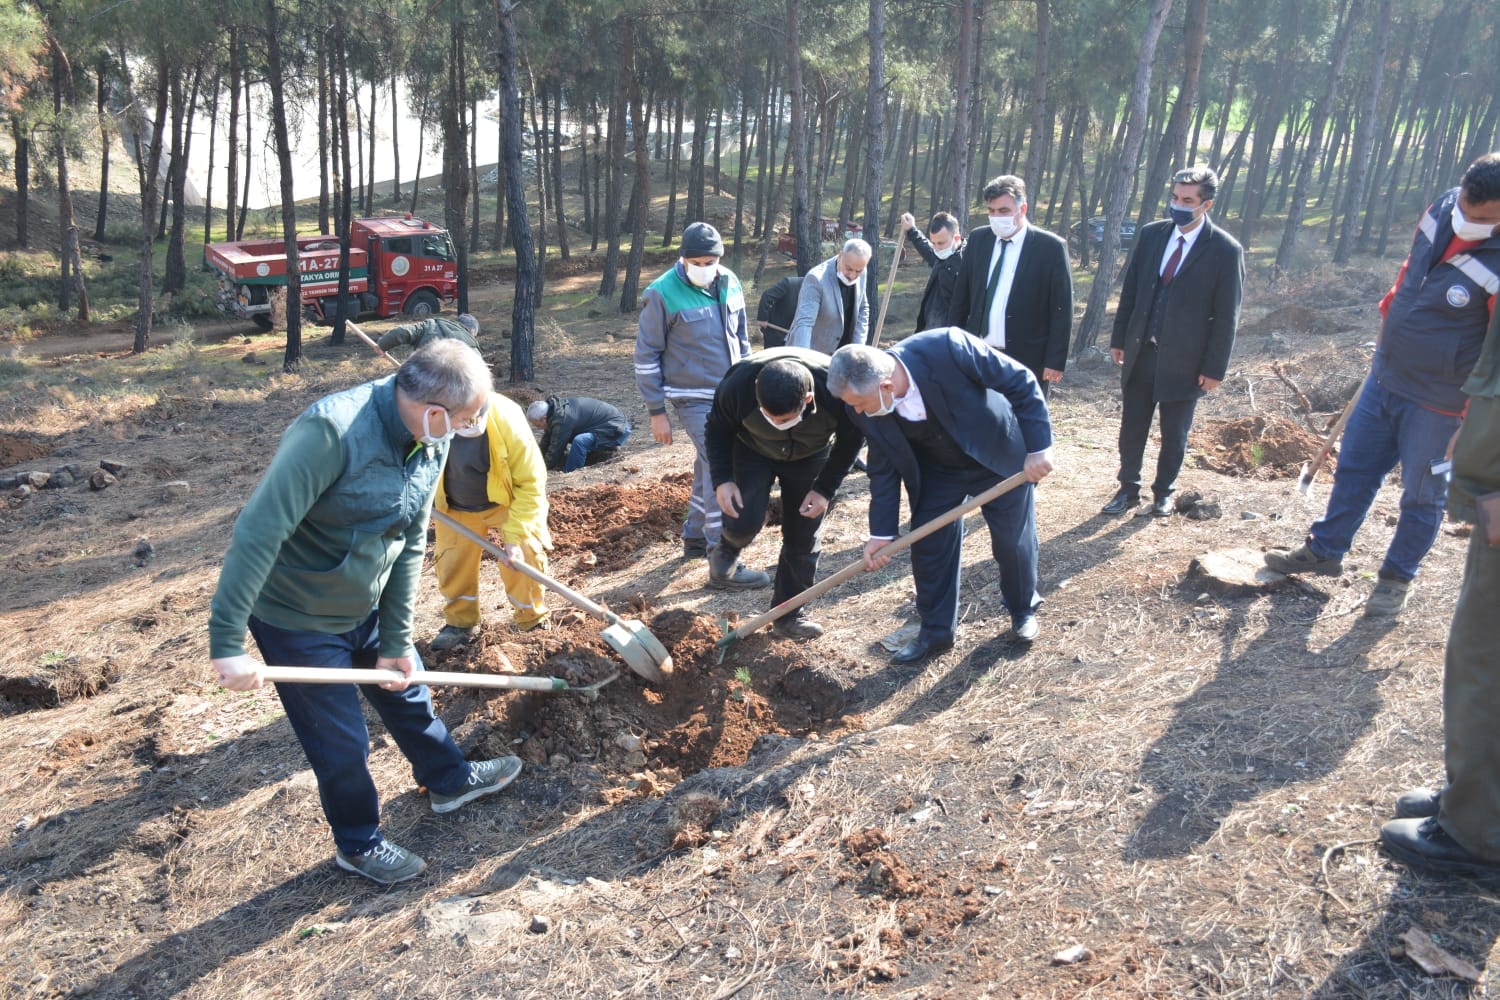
point(937, 560)
point(1135, 427)
point(330, 725)
point(801, 537)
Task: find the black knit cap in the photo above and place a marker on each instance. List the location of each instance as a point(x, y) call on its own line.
point(701, 240)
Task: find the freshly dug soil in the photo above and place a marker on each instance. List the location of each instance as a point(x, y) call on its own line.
point(612, 522)
point(1258, 447)
point(708, 714)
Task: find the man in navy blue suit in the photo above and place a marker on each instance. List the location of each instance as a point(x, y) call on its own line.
point(950, 417)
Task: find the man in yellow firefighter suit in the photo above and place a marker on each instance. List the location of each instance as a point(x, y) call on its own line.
point(494, 479)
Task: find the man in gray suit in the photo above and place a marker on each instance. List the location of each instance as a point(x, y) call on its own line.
point(833, 308)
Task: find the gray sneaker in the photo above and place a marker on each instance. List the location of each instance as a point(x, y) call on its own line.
point(486, 777)
point(1304, 560)
point(451, 637)
point(385, 863)
point(1388, 598)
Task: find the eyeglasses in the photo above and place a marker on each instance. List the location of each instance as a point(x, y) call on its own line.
point(462, 425)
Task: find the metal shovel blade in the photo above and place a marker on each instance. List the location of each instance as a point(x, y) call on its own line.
point(1305, 480)
point(642, 652)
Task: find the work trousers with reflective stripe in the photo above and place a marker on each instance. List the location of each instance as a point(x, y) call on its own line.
point(458, 559)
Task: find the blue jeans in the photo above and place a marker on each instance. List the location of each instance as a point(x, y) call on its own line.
point(330, 725)
point(582, 444)
point(1384, 429)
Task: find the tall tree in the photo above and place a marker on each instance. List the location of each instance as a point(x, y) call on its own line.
point(875, 147)
point(1365, 133)
point(1349, 14)
point(149, 168)
point(523, 305)
point(805, 224)
point(276, 79)
point(640, 195)
point(1120, 177)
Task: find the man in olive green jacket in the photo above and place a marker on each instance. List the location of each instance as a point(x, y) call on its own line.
point(323, 567)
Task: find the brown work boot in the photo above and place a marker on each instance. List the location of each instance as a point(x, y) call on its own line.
point(1303, 559)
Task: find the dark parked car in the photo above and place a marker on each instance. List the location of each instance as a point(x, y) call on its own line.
point(1095, 229)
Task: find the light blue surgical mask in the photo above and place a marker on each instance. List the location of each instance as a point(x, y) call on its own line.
point(885, 409)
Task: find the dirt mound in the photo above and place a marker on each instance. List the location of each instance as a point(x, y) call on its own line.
point(1297, 320)
point(645, 739)
point(18, 448)
point(1259, 447)
point(611, 523)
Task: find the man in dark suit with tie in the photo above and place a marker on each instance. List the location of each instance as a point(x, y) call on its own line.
point(949, 417)
point(1015, 289)
point(1179, 310)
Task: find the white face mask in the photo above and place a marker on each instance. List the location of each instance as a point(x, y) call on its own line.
point(848, 280)
point(946, 252)
point(884, 410)
point(701, 275)
point(785, 425)
point(476, 429)
point(1004, 226)
point(1466, 230)
point(430, 439)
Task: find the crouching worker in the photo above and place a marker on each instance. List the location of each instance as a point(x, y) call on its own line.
point(494, 480)
point(465, 329)
point(773, 418)
point(578, 431)
point(323, 568)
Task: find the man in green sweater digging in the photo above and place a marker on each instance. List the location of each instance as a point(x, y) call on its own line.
point(323, 568)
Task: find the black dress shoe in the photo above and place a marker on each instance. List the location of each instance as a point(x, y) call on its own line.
point(1425, 844)
point(1163, 507)
point(1122, 501)
point(1418, 803)
point(921, 648)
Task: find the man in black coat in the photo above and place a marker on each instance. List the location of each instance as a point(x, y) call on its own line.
point(949, 417)
point(1015, 290)
point(1179, 311)
point(777, 310)
point(943, 250)
point(578, 431)
point(774, 419)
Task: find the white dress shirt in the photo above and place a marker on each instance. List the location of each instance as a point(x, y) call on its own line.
point(995, 323)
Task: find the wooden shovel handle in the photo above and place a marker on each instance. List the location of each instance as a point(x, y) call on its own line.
point(885, 299)
point(354, 675)
point(572, 596)
point(906, 541)
point(1334, 434)
point(351, 325)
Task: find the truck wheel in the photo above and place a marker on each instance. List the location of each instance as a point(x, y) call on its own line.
point(422, 303)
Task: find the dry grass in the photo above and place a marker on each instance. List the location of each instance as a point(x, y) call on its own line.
point(1187, 786)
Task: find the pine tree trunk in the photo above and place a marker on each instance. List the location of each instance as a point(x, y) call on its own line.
point(523, 306)
point(276, 80)
point(1093, 317)
point(100, 115)
point(641, 196)
point(150, 166)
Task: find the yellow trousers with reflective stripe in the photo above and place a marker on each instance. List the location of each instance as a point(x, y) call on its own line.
point(458, 561)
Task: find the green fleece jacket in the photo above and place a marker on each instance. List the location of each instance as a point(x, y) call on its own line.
point(336, 528)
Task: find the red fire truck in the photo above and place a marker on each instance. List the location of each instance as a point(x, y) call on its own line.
point(396, 266)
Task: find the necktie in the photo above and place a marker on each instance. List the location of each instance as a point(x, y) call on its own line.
point(1170, 271)
point(994, 285)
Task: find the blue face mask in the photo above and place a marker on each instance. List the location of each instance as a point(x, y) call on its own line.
point(884, 410)
point(1181, 215)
